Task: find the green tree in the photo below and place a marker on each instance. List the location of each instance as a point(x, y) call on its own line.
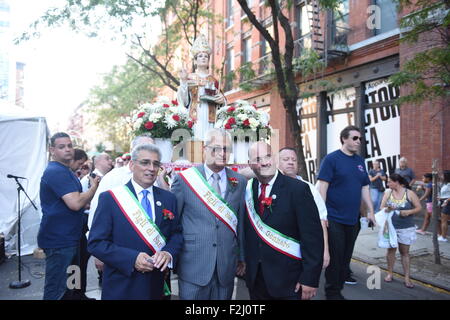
point(427, 73)
point(122, 90)
point(284, 64)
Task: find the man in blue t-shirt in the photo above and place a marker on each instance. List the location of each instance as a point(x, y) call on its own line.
point(342, 182)
point(62, 202)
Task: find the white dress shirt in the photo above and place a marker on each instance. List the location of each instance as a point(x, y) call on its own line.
point(222, 181)
point(150, 197)
point(269, 187)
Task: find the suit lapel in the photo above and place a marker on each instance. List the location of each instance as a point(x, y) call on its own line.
point(130, 186)
point(255, 194)
point(228, 174)
point(157, 198)
point(277, 189)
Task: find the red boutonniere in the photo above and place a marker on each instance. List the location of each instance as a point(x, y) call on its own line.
point(268, 202)
point(167, 214)
point(233, 181)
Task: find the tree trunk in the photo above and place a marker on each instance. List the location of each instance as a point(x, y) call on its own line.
point(435, 215)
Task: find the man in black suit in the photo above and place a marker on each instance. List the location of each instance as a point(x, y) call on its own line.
point(283, 235)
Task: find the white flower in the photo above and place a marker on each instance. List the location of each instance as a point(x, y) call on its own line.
point(138, 123)
point(219, 123)
point(253, 123)
point(242, 116)
point(163, 99)
point(155, 117)
point(171, 123)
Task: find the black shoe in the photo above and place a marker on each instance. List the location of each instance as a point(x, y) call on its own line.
point(350, 280)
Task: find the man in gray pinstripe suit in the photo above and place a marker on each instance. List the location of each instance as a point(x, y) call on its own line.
point(211, 202)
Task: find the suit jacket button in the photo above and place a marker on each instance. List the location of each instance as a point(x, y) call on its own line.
point(217, 226)
point(214, 245)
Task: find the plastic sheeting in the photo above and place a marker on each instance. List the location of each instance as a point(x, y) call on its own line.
point(23, 152)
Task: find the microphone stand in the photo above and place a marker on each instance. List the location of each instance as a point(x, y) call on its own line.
point(21, 283)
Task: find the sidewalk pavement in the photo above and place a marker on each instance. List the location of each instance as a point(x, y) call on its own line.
point(423, 267)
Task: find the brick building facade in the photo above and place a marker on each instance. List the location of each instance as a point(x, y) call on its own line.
point(361, 50)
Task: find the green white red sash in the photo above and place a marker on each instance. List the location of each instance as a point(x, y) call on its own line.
point(213, 201)
point(275, 239)
point(131, 208)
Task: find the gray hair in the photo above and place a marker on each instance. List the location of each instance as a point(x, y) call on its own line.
point(146, 147)
point(403, 159)
point(135, 141)
point(214, 133)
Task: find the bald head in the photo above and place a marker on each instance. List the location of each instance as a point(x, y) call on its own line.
point(103, 163)
point(261, 161)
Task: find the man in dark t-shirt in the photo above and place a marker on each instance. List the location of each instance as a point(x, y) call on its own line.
point(62, 202)
point(343, 182)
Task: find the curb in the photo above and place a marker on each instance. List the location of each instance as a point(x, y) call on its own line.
point(398, 271)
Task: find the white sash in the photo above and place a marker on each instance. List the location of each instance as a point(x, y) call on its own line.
point(275, 239)
point(147, 230)
point(213, 201)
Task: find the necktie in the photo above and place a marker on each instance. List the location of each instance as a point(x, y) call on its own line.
point(146, 204)
point(215, 184)
point(261, 198)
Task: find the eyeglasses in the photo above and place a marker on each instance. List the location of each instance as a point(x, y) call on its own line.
point(148, 163)
point(354, 138)
point(218, 149)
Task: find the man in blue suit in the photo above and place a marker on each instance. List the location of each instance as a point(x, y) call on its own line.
point(136, 232)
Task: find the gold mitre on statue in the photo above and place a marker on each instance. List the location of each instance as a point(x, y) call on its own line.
point(200, 45)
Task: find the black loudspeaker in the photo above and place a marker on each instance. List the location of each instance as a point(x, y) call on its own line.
point(2, 248)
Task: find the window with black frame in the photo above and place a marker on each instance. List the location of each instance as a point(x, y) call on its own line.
point(303, 30)
point(340, 24)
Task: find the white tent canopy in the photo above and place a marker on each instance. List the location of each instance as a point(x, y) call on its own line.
point(23, 152)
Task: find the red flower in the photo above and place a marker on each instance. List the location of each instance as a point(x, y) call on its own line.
point(231, 109)
point(231, 121)
point(233, 181)
point(267, 201)
point(175, 102)
point(190, 124)
point(254, 106)
point(141, 114)
point(176, 117)
point(149, 125)
point(165, 105)
point(228, 126)
point(168, 214)
point(246, 123)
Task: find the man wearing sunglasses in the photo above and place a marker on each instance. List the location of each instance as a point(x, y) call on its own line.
point(210, 201)
point(343, 181)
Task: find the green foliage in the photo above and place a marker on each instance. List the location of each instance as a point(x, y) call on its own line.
point(427, 73)
point(308, 63)
point(122, 91)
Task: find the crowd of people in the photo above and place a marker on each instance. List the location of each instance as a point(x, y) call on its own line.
point(209, 224)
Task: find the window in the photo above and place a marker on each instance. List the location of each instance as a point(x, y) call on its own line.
point(229, 67)
point(303, 30)
point(246, 50)
point(249, 4)
point(229, 13)
point(340, 26)
point(388, 12)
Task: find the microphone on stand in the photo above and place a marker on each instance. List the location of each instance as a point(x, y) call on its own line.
point(14, 177)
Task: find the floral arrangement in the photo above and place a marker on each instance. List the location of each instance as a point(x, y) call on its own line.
point(234, 182)
point(161, 118)
point(242, 115)
point(168, 214)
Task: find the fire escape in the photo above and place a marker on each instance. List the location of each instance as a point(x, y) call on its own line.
point(321, 34)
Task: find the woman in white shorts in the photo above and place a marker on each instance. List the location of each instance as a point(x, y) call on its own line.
point(406, 204)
